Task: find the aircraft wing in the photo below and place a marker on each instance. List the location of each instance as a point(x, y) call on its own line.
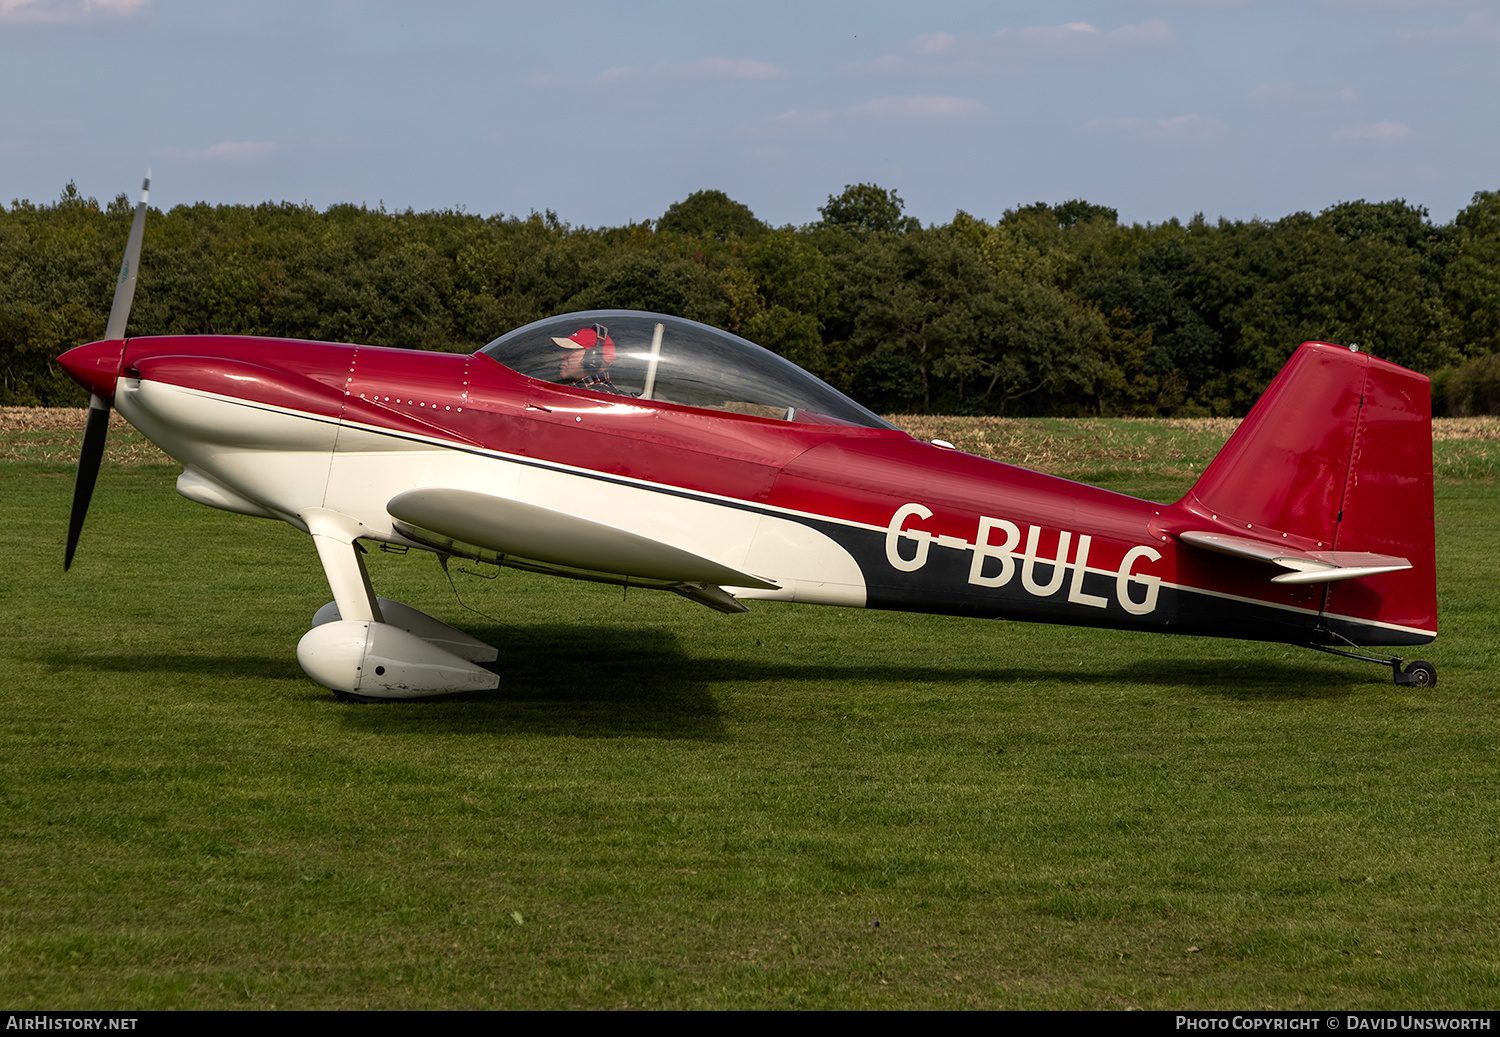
point(1304, 566)
point(529, 531)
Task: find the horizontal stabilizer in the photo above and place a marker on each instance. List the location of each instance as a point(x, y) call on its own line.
point(529, 531)
point(1305, 566)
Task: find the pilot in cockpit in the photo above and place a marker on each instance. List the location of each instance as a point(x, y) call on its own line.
point(585, 360)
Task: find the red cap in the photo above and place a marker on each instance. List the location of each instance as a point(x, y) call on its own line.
point(588, 338)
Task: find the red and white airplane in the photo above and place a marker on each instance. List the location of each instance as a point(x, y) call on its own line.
point(645, 449)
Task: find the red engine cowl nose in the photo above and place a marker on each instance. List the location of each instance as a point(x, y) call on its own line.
point(95, 366)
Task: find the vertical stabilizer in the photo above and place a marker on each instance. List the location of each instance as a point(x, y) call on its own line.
point(1338, 451)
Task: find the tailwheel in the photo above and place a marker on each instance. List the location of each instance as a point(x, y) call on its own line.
point(1419, 673)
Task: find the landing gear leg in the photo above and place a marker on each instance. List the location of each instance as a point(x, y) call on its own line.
point(363, 654)
point(1419, 673)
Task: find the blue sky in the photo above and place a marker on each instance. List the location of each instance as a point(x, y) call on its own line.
point(609, 112)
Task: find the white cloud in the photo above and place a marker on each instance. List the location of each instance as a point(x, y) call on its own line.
point(942, 53)
point(935, 43)
point(1295, 93)
point(797, 119)
point(800, 123)
point(228, 151)
point(1383, 132)
point(901, 64)
point(725, 68)
point(920, 106)
point(1191, 128)
point(704, 68)
point(1281, 93)
point(1477, 27)
point(1366, 6)
point(70, 11)
point(1080, 39)
point(815, 123)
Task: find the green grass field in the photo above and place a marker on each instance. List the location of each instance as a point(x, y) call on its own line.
point(668, 807)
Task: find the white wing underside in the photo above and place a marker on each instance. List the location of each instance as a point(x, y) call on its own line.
point(532, 532)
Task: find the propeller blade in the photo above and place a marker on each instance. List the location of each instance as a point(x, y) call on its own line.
point(125, 286)
point(91, 454)
point(89, 458)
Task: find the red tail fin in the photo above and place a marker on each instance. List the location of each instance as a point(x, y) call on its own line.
point(1339, 451)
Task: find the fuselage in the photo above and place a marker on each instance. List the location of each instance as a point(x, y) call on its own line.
point(827, 513)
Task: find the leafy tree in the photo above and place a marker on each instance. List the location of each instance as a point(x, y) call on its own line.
point(745, 301)
point(926, 323)
point(793, 335)
point(1344, 276)
point(1063, 215)
point(1474, 388)
point(711, 214)
point(58, 265)
point(1394, 222)
point(1079, 211)
point(1074, 282)
point(867, 208)
point(790, 271)
point(643, 281)
point(1052, 309)
point(1471, 282)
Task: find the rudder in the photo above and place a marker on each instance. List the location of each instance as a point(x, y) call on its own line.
point(1338, 451)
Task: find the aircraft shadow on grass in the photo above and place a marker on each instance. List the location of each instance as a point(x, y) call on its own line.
point(1246, 679)
point(607, 681)
point(618, 680)
point(266, 668)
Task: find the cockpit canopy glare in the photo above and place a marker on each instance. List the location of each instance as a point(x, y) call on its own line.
point(659, 359)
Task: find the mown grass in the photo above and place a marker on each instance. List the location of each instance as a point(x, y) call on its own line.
point(666, 807)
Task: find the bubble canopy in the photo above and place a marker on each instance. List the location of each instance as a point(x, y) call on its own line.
point(653, 358)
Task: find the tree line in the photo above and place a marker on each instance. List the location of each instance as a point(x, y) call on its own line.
point(1045, 310)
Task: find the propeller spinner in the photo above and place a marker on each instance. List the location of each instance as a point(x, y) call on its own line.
point(88, 365)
